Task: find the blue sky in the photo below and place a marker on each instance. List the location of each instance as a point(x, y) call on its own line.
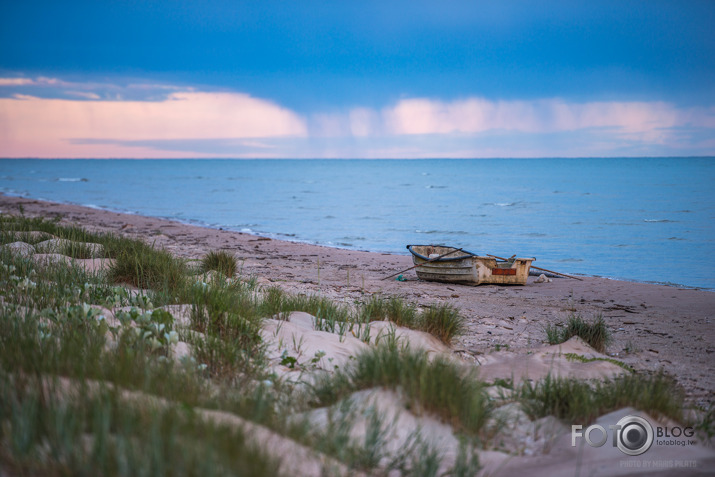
point(357, 79)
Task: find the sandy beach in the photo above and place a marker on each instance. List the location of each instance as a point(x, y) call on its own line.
point(653, 326)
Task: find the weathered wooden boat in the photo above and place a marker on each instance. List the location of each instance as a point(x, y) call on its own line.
point(441, 263)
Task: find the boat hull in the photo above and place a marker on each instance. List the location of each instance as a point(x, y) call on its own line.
point(467, 268)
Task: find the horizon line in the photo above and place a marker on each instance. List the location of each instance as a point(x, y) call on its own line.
point(344, 158)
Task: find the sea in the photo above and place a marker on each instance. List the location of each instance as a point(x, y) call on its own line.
point(636, 219)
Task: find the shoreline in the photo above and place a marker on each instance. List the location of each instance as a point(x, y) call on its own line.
point(283, 237)
point(654, 326)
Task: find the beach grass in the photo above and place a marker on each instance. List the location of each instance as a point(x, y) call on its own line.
point(85, 393)
point(80, 250)
point(578, 401)
point(595, 332)
point(54, 428)
point(62, 366)
point(220, 261)
point(438, 387)
point(53, 328)
point(443, 321)
point(143, 266)
point(394, 309)
point(335, 439)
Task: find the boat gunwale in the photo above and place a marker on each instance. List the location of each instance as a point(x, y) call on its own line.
point(445, 259)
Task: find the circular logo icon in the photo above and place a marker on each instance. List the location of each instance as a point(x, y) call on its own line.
point(634, 435)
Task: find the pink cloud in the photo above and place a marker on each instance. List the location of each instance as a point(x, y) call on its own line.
point(476, 115)
point(16, 81)
point(174, 121)
point(35, 127)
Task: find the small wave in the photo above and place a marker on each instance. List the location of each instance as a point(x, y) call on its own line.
point(13, 193)
point(435, 187)
point(441, 232)
point(505, 204)
point(570, 260)
point(72, 179)
point(659, 221)
point(676, 238)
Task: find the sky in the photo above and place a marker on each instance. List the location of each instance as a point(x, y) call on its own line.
point(356, 79)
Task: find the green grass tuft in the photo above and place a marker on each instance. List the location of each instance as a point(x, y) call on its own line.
point(595, 333)
point(393, 309)
point(143, 266)
point(581, 401)
point(438, 387)
point(443, 321)
point(79, 250)
point(220, 261)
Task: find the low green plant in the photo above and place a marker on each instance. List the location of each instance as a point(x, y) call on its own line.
point(467, 462)
point(705, 423)
point(221, 261)
point(96, 433)
point(393, 309)
point(335, 437)
point(436, 386)
point(143, 266)
point(583, 359)
point(80, 250)
point(443, 321)
point(152, 329)
point(374, 309)
point(7, 235)
point(581, 401)
point(595, 333)
point(228, 314)
point(320, 307)
point(504, 383)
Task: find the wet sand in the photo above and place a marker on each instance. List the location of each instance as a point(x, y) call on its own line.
point(653, 326)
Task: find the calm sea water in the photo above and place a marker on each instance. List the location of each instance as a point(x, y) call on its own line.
point(646, 219)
